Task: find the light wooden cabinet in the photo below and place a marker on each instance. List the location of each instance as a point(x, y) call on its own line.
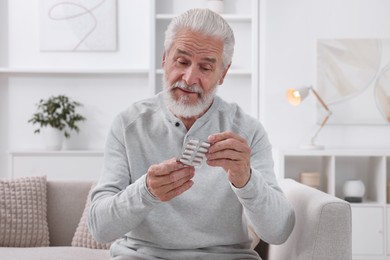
point(371, 217)
point(57, 165)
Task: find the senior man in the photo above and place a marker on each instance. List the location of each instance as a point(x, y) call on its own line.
point(157, 207)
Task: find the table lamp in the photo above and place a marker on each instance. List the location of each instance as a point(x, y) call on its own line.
point(295, 97)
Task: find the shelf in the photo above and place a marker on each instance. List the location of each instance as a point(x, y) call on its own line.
point(227, 17)
point(340, 165)
point(371, 217)
point(57, 153)
point(57, 165)
point(366, 204)
point(230, 72)
point(337, 152)
point(72, 71)
point(242, 17)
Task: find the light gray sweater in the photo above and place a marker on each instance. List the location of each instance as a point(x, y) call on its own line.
point(209, 221)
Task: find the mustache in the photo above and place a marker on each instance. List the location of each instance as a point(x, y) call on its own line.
point(184, 86)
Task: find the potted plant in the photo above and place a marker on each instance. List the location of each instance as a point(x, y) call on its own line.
point(56, 116)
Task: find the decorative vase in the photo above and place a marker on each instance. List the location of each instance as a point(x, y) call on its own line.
point(354, 190)
point(53, 138)
point(215, 6)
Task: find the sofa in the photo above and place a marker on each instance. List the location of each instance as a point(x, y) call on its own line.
point(322, 230)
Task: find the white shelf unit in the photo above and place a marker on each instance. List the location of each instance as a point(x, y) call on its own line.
point(131, 73)
point(371, 218)
point(104, 82)
point(242, 81)
point(21, 70)
point(57, 165)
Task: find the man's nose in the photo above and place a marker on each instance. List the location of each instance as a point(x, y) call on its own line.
point(191, 75)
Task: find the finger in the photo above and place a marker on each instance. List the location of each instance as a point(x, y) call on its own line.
point(166, 167)
point(177, 191)
point(182, 173)
point(226, 154)
point(169, 191)
point(224, 163)
point(186, 172)
point(156, 180)
point(225, 135)
point(228, 165)
point(229, 144)
point(176, 184)
point(235, 169)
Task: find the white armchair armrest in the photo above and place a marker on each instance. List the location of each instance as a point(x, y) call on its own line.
point(323, 227)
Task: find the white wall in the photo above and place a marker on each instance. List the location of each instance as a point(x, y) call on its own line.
point(103, 96)
point(3, 90)
point(291, 31)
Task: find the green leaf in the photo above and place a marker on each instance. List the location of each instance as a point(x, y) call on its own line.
point(58, 112)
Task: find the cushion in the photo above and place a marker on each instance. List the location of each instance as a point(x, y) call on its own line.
point(82, 236)
point(53, 253)
point(23, 212)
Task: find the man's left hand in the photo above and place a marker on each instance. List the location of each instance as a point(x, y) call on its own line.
point(231, 152)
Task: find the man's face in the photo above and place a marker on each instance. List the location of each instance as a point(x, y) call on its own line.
point(193, 69)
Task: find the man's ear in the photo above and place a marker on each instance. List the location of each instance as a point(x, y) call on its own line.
point(163, 60)
point(220, 81)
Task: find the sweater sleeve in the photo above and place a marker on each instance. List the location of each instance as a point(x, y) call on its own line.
point(265, 205)
point(118, 204)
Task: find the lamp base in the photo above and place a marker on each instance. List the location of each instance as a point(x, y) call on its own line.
point(312, 147)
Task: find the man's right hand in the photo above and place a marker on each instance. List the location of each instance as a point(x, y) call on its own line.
point(169, 179)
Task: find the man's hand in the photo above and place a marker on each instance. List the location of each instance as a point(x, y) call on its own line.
point(169, 179)
point(231, 152)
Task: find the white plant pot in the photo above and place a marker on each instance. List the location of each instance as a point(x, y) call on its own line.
point(53, 138)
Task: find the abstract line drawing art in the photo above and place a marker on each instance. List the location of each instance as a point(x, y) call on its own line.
point(353, 77)
point(78, 25)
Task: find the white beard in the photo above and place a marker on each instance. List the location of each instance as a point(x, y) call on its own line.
point(181, 107)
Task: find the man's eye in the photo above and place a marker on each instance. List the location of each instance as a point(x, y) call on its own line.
point(182, 62)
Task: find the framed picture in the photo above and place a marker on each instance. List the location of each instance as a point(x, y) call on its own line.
point(78, 25)
point(353, 78)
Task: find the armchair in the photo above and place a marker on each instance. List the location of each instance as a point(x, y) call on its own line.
point(323, 227)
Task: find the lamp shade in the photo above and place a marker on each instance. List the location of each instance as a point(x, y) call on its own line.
point(295, 96)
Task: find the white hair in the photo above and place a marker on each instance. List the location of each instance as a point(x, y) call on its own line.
point(205, 22)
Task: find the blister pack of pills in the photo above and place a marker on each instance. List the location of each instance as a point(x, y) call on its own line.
point(194, 152)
